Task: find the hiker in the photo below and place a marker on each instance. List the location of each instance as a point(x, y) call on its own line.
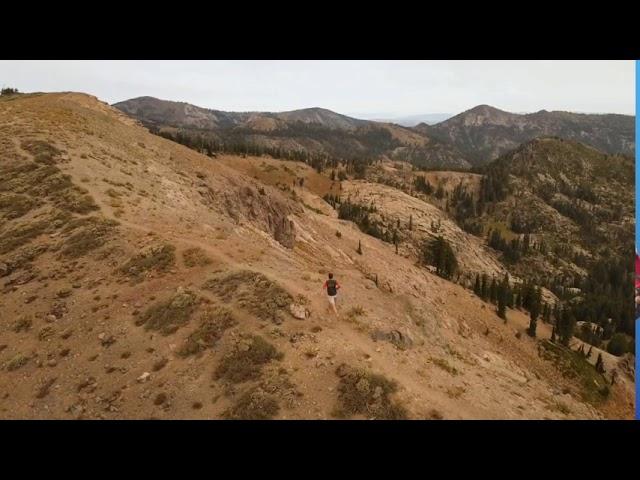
point(332, 287)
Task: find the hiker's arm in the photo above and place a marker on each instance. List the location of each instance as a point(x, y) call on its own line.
point(324, 285)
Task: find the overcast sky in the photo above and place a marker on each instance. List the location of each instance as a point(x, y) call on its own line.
point(368, 89)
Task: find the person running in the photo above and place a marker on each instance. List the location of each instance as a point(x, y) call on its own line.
point(332, 286)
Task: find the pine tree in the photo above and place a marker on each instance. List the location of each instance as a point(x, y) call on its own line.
point(502, 298)
point(589, 352)
point(553, 335)
point(439, 253)
point(477, 288)
point(410, 222)
point(493, 291)
point(600, 364)
point(566, 326)
point(359, 250)
point(484, 291)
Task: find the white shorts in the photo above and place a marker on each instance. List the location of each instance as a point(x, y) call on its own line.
point(332, 299)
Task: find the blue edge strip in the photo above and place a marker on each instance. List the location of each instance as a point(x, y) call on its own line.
point(637, 227)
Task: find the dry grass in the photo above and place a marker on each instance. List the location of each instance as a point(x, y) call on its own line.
point(246, 360)
point(195, 257)
point(18, 361)
point(213, 324)
point(444, 365)
point(364, 393)
point(22, 324)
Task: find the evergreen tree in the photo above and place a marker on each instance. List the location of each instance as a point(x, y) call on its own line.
point(493, 291)
point(553, 335)
point(410, 222)
point(600, 364)
point(566, 326)
point(484, 290)
point(502, 298)
point(439, 253)
point(477, 289)
point(359, 250)
point(589, 352)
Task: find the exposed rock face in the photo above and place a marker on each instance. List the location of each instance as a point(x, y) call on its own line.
point(484, 133)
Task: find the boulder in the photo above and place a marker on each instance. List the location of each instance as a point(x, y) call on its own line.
point(299, 311)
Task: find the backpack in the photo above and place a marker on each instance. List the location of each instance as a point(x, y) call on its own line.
point(331, 287)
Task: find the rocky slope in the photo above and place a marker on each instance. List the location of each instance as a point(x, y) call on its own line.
point(141, 279)
point(315, 131)
point(483, 133)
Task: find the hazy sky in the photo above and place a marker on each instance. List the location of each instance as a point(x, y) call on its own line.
point(361, 88)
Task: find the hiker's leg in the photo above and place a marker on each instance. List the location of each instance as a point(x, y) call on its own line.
point(333, 305)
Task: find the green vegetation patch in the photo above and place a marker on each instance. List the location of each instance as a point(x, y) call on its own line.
point(15, 206)
point(18, 361)
point(253, 292)
point(159, 258)
point(246, 360)
point(213, 324)
point(22, 234)
point(20, 259)
point(364, 393)
point(254, 404)
point(168, 316)
point(92, 233)
point(593, 386)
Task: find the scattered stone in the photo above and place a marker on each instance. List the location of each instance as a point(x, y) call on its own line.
point(160, 364)
point(144, 377)
point(299, 311)
point(63, 293)
point(43, 391)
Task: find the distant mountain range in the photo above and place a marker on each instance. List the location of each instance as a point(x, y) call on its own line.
point(484, 132)
point(413, 120)
point(471, 138)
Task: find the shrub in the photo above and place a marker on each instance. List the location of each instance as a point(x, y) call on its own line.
point(253, 292)
point(93, 234)
point(167, 316)
point(213, 324)
point(620, 344)
point(159, 258)
point(365, 393)
point(245, 362)
point(195, 257)
point(254, 404)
